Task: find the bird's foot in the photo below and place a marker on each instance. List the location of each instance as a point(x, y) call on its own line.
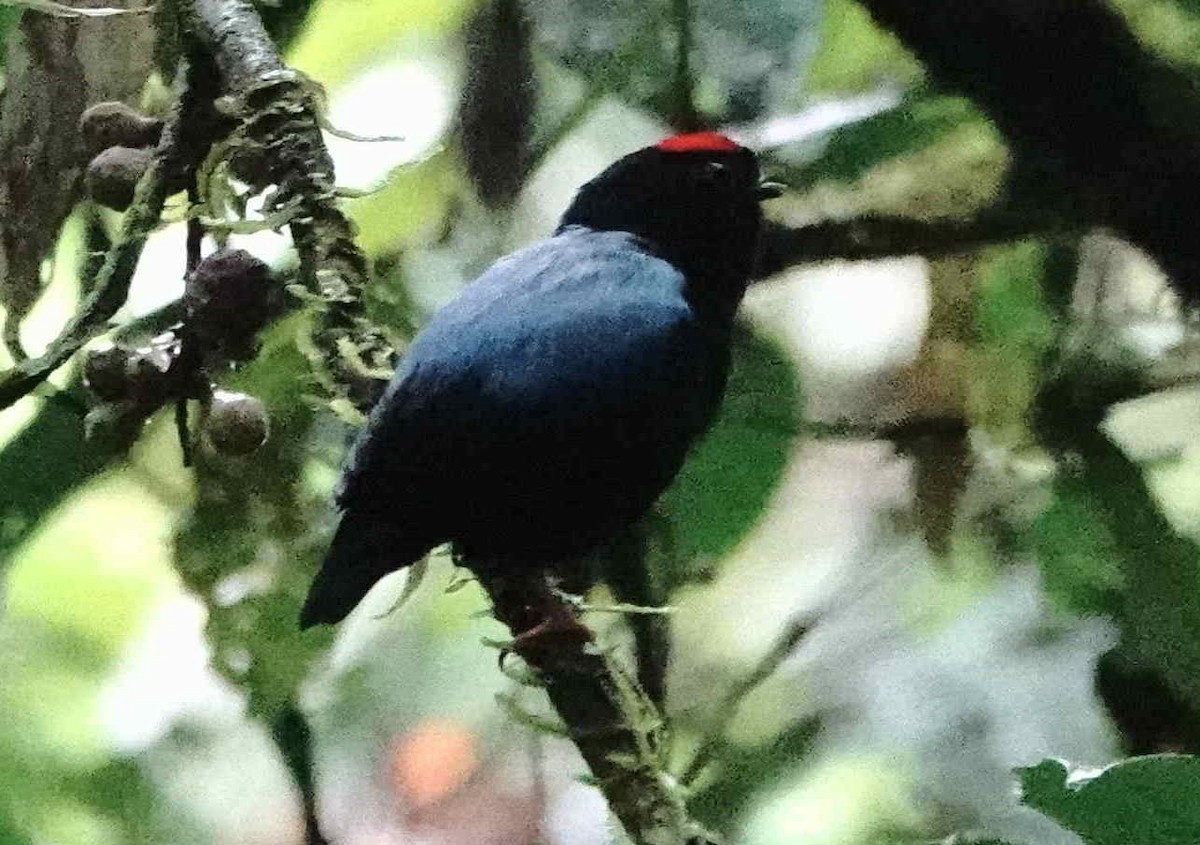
point(559, 632)
point(560, 629)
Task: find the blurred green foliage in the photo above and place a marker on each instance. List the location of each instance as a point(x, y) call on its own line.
point(43, 464)
point(73, 600)
point(10, 16)
point(725, 485)
point(750, 770)
point(853, 54)
point(922, 119)
point(1077, 550)
point(1015, 330)
point(1160, 569)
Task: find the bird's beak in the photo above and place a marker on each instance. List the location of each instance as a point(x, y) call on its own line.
point(769, 190)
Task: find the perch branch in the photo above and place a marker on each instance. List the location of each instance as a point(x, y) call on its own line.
point(615, 727)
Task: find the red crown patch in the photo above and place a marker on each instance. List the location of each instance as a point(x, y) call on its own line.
point(698, 142)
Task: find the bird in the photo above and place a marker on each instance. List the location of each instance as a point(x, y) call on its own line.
point(543, 411)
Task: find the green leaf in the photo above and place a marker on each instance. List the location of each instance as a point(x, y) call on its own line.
point(1159, 606)
point(1010, 308)
point(41, 466)
point(10, 16)
point(730, 476)
point(1077, 551)
point(77, 554)
point(11, 835)
point(1015, 331)
point(1171, 28)
point(1140, 801)
point(124, 796)
point(1160, 614)
point(410, 206)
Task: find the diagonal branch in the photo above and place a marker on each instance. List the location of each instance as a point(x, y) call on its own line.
point(1098, 125)
point(616, 728)
point(280, 144)
point(112, 282)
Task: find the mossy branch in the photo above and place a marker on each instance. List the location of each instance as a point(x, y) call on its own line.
point(279, 144)
point(618, 731)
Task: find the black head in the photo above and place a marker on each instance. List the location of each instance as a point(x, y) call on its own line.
point(695, 199)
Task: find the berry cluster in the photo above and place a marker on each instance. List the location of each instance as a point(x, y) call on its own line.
point(119, 143)
point(227, 299)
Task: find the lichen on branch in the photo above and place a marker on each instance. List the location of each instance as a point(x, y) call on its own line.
point(617, 729)
point(277, 146)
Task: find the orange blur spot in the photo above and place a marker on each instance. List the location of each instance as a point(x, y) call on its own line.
point(434, 759)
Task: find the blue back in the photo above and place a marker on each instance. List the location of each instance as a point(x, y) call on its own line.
point(546, 407)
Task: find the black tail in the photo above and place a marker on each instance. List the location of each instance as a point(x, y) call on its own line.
point(364, 549)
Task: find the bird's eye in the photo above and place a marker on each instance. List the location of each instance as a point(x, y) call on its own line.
point(718, 175)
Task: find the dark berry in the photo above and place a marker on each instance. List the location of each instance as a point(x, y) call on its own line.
point(112, 175)
point(114, 124)
point(236, 424)
point(148, 371)
point(227, 300)
point(104, 373)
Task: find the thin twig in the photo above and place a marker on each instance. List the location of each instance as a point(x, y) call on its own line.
point(195, 229)
point(782, 648)
point(630, 572)
point(294, 740)
point(112, 283)
point(685, 117)
point(188, 358)
point(882, 236)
